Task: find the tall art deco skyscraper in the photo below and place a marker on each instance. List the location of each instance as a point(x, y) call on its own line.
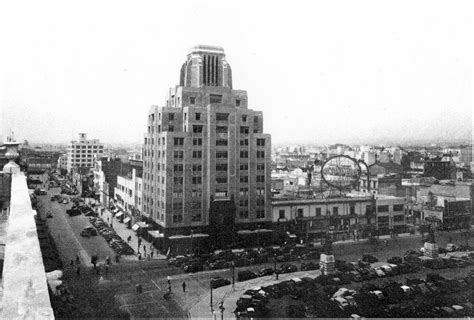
point(206, 158)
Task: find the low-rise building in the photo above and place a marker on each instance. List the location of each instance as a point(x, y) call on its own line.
point(128, 193)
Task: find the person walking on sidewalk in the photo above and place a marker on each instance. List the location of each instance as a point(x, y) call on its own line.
point(184, 286)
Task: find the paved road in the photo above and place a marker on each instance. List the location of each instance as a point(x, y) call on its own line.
point(66, 232)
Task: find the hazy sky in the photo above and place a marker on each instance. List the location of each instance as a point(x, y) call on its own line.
point(322, 71)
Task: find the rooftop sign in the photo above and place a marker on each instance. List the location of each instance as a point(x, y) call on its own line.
point(341, 172)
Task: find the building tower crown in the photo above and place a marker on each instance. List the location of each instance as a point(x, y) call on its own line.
point(206, 66)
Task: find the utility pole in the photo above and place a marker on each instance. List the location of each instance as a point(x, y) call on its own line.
point(210, 303)
point(233, 274)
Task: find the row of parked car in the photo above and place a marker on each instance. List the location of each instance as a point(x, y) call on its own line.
point(223, 259)
point(109, 234)
point(60, 199)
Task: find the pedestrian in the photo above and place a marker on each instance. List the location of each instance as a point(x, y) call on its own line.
point(276, 275)
point(151, 254)
point(78, 270)
point(94, 261)
point(106, 269)
point(168, 278)
point(139, 241)
point(184, 286)
point(144, 248)
point(139, 256)
point(107, 219)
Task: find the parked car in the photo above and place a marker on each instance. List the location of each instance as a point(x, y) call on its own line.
point(88, 231)
point(246, 275)
point(450, 247)
point(219, 282)
point(305, 266)
point(194, 267)
point(369, 258)
point(265, 272)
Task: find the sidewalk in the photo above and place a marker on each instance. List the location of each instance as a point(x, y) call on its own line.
point(229, 296)
point(122, 230)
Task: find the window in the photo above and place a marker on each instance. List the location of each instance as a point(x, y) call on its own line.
point(196, 217)
point(260, 178)
point(197, 129)
point(281, 214)
point(398, 207)
point(170, 128)
point(178, 168)
point(221, 129)
point(243, 214)
point(178, 154)
point(222, 116)
point(197, 180)
point(197, 116)
point(221, 154)
point(255, 124)
point(382, 220)
point(260, 166)
point(335, 211)
point(244, 118)
point(300, 212)
point(177, 218)
point(192, 100)
point(244, 179)
point(221, 193)
point(382, 208)
point(244, 154)
point(197, 154)
point(196, 193)
point(178, 141)
point(244, 142)
point(177, 205)
point(244, 166)
point(170, 116)
point(398, 218)
point(197, 168)
point(244, 130)
point(221, 142)
point(318, 212)
point(244, 192)
point(237, 102)
point(260, 154)
point(178, 180)
point(244, 202)
point(197, 142)
point(221, 180)
point(260, 213)
point(215, 98)
point(260, 191)
point(352, 209)
point(260, 201)
point(261, 142)
point(221, 166)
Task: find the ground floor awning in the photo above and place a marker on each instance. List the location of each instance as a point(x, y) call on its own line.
point(119, 214)
point(127, 220)
point(155, 234)
point(135, 227)
point(257, 231)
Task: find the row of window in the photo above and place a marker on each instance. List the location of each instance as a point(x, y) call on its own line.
point(244, 214)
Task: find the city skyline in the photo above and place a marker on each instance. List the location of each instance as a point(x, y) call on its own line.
point(364, 84)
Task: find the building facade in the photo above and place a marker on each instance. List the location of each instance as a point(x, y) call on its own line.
point(81, 153)
point(128, 192)
point(205, 150)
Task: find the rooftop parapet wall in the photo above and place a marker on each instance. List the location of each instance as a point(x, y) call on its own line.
point(25, 290)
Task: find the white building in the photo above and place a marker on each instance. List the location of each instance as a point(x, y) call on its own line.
point(128, 193)
point(81, 153)
point(100, 185)
point(62, 162)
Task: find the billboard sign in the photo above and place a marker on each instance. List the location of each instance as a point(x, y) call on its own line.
point(341, 172)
